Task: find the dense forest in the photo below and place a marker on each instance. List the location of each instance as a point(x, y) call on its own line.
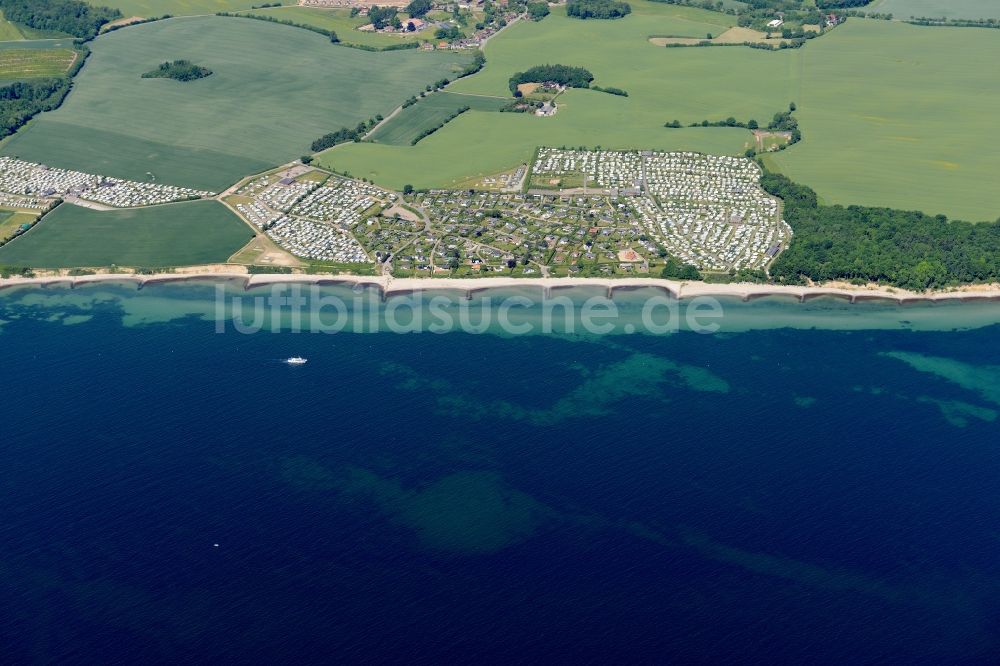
point(572, 77)
point(179, 70)
point(343, 135)
point(21, 101)
point(538, 10)
point(907, 249)
point(418, 8)
point(448, 32)
point(382, 17)
point(597, 9)
point(674, 269)
point(69, 16)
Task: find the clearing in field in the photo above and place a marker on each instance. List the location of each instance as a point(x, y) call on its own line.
point(34, 63)
point(11, 221)
point(12, 32)
point(261, 107)
point(429, 112)
point(735, 35)
point(9, 31)
point(768, 141)
point(952, 9)
point(195, 232)
point(915, 132)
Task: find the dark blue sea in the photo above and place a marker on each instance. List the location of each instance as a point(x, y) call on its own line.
point(172, 494)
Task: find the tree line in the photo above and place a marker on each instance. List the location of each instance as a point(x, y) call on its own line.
point(345, 134)
point(841, 4)
point(430, 130)
point(783, 121)
point(270, 19)
point(955, 23)
point(611, 90)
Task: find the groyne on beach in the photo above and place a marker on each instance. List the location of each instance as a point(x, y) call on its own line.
point(389, 286)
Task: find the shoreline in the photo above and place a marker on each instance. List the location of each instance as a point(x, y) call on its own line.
point(389, 286)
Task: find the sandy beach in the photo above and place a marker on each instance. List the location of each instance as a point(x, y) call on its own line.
point(390, 286)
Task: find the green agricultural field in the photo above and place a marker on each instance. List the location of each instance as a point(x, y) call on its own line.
point(477, 143)
point(42, 44)
point(260, 107)
point(953, 9)
point(430, 112)
point(342, 23)
point(34, 63)
point(617, 52)
point(194, 232)
point(152, 8)
point(916, 131)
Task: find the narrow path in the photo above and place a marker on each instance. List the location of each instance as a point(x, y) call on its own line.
point(395, 112)
point(465, 94)
point(83, 203)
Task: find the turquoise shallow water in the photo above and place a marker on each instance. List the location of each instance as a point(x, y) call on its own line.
point(813, 482)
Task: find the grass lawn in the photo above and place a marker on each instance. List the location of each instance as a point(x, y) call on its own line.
point(33, 63)
point(916, 131)
point(955, 9)
point(260, 107)
point(7, 227)
point(151, 8)
point(195, 232)
point(11, 221)
point(9, 31)
point(342, 23)
point(430, 112)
